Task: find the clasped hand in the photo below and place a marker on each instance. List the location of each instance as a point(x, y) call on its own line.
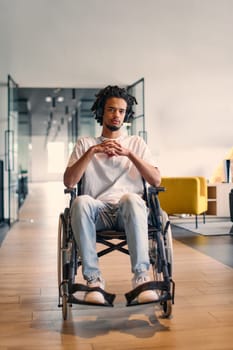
point(112, 148)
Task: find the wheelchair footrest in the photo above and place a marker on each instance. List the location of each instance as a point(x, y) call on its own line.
point(78, 287)
point(131, 296)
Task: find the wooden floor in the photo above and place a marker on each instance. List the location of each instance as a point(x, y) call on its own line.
point(31, 320)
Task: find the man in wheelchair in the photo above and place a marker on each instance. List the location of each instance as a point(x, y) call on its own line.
point(111, 168)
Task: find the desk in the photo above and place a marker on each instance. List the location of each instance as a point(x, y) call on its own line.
point(218, 199)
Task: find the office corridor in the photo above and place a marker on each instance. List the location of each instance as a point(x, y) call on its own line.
point(30, 319)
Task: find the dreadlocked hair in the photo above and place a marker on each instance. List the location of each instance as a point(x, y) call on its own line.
point(108, 92)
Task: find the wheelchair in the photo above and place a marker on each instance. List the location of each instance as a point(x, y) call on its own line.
point(160, 254)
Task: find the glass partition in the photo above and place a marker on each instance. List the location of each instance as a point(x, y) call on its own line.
point(11, 145)
point(137, 126)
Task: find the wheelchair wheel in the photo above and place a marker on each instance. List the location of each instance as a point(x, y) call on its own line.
point(167, 304)
point(61, 250)
point(63, 264)
point(169, 243)
point(158, 276)
point(158, 271)
point(155, 262)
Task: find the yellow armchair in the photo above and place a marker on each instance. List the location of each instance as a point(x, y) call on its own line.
point(184, 195)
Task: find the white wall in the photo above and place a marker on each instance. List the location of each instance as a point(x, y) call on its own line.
point(39, 166)
point(183, 49)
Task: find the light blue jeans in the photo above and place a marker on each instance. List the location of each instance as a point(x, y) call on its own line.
point(130, 215)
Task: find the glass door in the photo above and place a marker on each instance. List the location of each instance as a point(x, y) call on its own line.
point(11, 145)
point(137, 126)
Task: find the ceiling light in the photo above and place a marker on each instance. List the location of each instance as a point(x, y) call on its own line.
point(48, 99)
point(60, 99)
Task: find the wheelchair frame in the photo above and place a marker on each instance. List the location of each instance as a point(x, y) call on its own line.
point(160, 254)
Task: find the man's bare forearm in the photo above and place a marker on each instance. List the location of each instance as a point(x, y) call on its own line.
point(74, 173)
point(150, 173)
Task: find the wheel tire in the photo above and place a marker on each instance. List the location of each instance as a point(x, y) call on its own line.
point(61, 242)
point(62, 270)
point(167, 308)
point(65, 307)
point(169, 247)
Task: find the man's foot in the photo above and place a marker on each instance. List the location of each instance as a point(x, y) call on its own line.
point(95, 297)
point(147, 295)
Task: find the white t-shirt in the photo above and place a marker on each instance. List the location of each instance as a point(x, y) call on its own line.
point(109, 178)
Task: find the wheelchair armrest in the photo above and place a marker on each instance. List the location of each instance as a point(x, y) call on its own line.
point(156, 190)
point(70, 190)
